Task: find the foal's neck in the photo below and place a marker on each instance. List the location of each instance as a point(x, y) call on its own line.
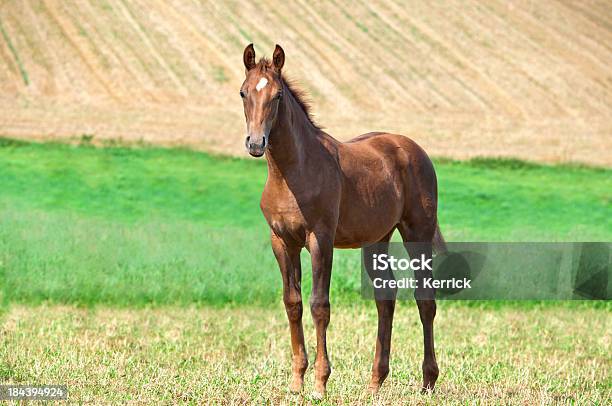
point(290, 136)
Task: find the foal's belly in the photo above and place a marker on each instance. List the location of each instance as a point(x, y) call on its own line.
point(365, 233)
point(365, 222)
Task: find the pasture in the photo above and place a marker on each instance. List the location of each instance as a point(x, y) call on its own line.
point(144, 274)
point(508, 355)
point(138, 226)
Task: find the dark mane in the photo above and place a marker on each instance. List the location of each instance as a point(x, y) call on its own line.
point(300, 96)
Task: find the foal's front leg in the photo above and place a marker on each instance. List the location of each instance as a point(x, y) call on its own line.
point(321, 253)
point(289, 263)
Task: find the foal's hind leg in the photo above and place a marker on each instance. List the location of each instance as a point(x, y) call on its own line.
point(385, 307)
point(424, 296)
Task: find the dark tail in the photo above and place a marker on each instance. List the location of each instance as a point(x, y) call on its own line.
point(438, 242)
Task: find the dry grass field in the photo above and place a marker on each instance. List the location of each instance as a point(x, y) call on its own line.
point(528, 79)
point(525, 355)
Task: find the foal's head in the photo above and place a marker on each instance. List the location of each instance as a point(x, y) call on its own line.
point(261, 93)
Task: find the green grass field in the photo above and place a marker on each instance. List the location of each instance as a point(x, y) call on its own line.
point(146, 273)
point(122, 226)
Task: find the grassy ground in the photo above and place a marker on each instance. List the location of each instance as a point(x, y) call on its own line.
point(125, 226)
point(146, 274)
point(171, 355)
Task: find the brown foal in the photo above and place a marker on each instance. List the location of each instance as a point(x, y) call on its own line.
point(322, 193)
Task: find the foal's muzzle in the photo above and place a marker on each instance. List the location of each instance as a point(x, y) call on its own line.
point(256, 145)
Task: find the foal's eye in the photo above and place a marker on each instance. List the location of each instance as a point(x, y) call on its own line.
point(242, 94)
point(278, 95)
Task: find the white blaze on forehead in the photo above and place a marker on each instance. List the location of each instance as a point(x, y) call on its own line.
point(262, 83)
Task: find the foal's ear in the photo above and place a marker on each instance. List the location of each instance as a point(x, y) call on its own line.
point(248, 57)
point(278, 58)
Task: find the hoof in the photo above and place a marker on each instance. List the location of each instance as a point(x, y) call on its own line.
point(373, 389)
point(296, 385)
point(426, 390)
point(316, 395)
point(377, 380)
point(430, 376)
point(319, 392)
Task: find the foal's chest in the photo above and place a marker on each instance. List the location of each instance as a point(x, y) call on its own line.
point(283, 213)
